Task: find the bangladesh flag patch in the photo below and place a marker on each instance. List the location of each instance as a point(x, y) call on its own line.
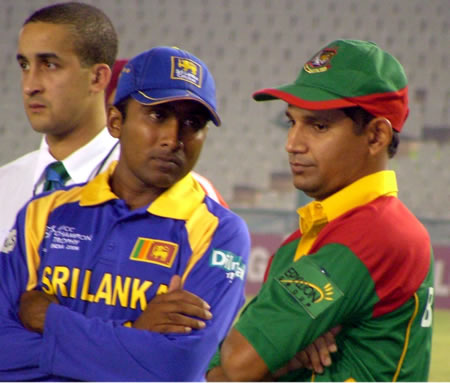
point(310, 285)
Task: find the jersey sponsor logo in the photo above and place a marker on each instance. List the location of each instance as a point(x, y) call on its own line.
point(162, 253)
point(66, 237)
point(311, 286)
point(186, 70)
point(10, 242)
point(321, 61)
point(229, 262)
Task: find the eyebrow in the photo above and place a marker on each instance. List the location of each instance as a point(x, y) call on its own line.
point(316, 115)
point(40, 56)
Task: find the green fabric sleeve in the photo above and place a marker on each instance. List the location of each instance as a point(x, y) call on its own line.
point(302, 300)
point(215, 360)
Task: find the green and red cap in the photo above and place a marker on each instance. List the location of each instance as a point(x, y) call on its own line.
point(348, 73)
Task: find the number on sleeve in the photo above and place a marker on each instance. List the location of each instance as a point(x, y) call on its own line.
point(427, 317)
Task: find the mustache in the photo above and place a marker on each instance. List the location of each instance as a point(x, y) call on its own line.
point(168, 156)
point(300, 161)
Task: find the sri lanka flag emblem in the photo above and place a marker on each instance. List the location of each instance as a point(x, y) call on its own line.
point(154, 251)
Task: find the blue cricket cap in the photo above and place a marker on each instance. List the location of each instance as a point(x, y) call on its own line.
point(165, 74)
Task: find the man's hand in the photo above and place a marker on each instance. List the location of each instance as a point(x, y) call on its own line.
point(172, 312)
point(316, 356)
point(33, 309)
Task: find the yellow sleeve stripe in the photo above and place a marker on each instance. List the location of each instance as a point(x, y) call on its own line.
point(36, 224)
point(201, 228)
point(408, 334)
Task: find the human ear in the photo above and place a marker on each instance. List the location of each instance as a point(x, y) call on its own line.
point(100, 76)
point(379, 133)
point(115, 121)
point(205, 131)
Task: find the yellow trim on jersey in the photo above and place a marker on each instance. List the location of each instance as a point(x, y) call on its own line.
point(408, 333)
point(36, 225)
point(200, 227)
point(177, 202)
point(361, 192)
point(315, 215)
point(182, 201)
point(98, 190)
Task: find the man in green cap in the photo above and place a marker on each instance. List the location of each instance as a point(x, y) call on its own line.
point(360, 258)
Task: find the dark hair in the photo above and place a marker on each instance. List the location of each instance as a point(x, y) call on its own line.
point(362, 117)
point(95, 39)
point(122, 107)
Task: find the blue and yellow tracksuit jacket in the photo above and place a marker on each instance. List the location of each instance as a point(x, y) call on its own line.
point(104, 263)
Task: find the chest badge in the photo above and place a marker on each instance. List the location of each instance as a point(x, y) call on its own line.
point(154, 251)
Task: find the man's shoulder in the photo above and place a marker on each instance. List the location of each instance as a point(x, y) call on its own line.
point(382, 231)
point(23, 162)
point(383, 217)
point(292, 237)
point(50, 200)
point(221, 211)
point(227, 220)
point(209, 188)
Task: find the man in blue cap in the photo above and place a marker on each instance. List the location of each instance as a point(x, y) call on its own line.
point(137, 274)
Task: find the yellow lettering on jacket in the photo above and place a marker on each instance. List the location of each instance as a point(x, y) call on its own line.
point(121, 291)
point(74, 284)
point(112, 290)
point(85, 296)
point(61, 275)
point(46, 283)
point(104, 291)
point(138, 293)
point(162, 289)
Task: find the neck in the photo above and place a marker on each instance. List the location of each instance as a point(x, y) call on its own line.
point(135, 194)
point(63, 145)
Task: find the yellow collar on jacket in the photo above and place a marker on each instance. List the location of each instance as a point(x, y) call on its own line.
point(315, 215)
point(177, 202)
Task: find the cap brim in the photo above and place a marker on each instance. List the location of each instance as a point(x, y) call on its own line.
point(161, 96)
point(319, 99)
point(303, 97)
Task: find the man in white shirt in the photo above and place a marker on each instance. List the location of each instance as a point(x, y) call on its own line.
point(66, 52)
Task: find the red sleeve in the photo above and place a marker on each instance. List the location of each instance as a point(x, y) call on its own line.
point(393, 245)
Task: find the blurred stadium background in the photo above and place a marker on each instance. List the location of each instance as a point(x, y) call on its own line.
point(250, 44)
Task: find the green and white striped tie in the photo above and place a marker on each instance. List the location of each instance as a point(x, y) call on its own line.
point(55, 176)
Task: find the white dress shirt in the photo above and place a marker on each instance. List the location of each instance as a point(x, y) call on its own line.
point(24, 177)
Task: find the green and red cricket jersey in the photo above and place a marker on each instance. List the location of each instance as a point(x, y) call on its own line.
point(371, 270)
